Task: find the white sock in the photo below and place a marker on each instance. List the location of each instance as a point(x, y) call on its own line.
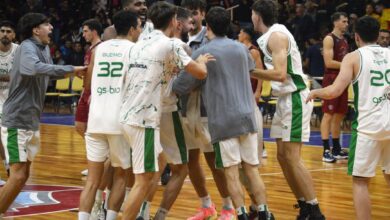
point(99, 195)
point(144, 212)
point(262, 208)
point(302, 199)
point(227, 203)
point(241, 210)
point(161, 214)
point(206, 201)
point(84, 216)
point(111, 215)
point(312, 202)
point(106, 199)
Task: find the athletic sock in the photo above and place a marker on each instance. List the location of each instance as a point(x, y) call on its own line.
point(263, 208)
point(313, 202)
point(161, 214)
point(206, 201)
point(325, 143)
point(227, 203)
point(336, 145)
point(241, 213)
point(84, 216)
point(111, 215)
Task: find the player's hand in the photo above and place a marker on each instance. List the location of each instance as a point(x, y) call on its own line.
point(205, 58)
point(312, 95)
point(80, 71)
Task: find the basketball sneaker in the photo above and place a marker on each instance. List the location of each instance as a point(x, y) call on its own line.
point(315, 213)
point(209, 213)
point(253, 214)
point(264, 155)
point(97, 212)
point(340, 154)
point(328, 157)
point(304, 210)
point(266, 215)
point(227, 214)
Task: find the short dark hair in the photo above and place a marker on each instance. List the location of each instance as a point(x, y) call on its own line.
point(30, 21)
point(218, 19)
point(267, 10)
point(368, 29)
point(94, 25)
point(9, 24)
point(125, 3)
point(380, 31)
point(161, 14)
point(337, 15)
point(250, 31)
point(183, 13)
point(123, 21)
point(194, 4)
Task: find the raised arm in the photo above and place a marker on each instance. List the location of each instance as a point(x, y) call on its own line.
point(30, 64)
point(278, 46)
point(330, 63)
point(349, 69)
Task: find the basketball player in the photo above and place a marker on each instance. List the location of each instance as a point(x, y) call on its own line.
point(92, 29)
point(368, 69)
point(29, 76)
point(151, 61)
point(291, 122)
point(103, 137)
point(7, 53)
point(335, 48)
point(196, 130)
point(230, 107)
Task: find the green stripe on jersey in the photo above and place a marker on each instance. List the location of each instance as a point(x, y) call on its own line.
point(179, 134)
point(296, 118)
point(12, 145)
point(297, 79)
point(355, 124)
point(218, 156)
point(149, 162)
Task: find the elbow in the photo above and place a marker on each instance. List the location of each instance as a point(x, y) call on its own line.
point(282, 78)
point(201, 75)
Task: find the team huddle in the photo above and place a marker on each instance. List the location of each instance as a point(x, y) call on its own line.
point(160, 89)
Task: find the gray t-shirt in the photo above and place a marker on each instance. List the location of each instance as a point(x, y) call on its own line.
point(226, 92)
point(29, 78)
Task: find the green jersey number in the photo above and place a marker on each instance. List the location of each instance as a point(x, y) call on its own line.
point(113, 69)
point(377, 78)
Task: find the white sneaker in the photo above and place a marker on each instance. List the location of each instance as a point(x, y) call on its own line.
point(265, 155)
point(97, 212)
point(84, 172)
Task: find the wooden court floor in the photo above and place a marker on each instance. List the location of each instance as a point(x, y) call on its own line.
point(62, 157)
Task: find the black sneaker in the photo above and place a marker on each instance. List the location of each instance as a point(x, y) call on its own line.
point(140, 218)
point(315, 213)
point(253, 214)
point(243, 217)
point(266, 215)
point(304, 210)
point(166, 175)
point(340, 154)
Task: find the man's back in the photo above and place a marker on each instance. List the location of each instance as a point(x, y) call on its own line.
point(227, 91)
point(372, 93)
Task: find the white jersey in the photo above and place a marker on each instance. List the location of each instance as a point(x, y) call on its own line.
point(372, 93)
point(6, 61)
point(169, 99)
point(296, 79)
point(152, 60)
point(111, 64)
point(147, 29)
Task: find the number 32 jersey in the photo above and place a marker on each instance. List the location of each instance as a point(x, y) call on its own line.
point(111, 63)
point(372, 93)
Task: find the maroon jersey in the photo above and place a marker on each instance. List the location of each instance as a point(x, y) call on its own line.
point(340, 49)
point(88, 54)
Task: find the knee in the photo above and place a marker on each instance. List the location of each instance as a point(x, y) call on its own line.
point(180, 170)
point(19, 178)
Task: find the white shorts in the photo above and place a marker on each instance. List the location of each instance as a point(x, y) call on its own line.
point(291, 121)
point(103, 146)
point(146, 147)
point(19, 145)
point(365, 154)
point(172, 138)
point(197, 136)
point(233, 151)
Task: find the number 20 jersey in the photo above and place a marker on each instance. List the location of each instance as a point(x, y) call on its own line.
point(111, 63)
point(372, 93)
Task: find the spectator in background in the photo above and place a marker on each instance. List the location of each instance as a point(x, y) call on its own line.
point(57, 58)
point(302, 26)
point(314, 61)
point(66, 51)
point(383, 10)
point(350, 34)
point(77, 57)
point(370, 11)
point(55, 20)
point(384, 38)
